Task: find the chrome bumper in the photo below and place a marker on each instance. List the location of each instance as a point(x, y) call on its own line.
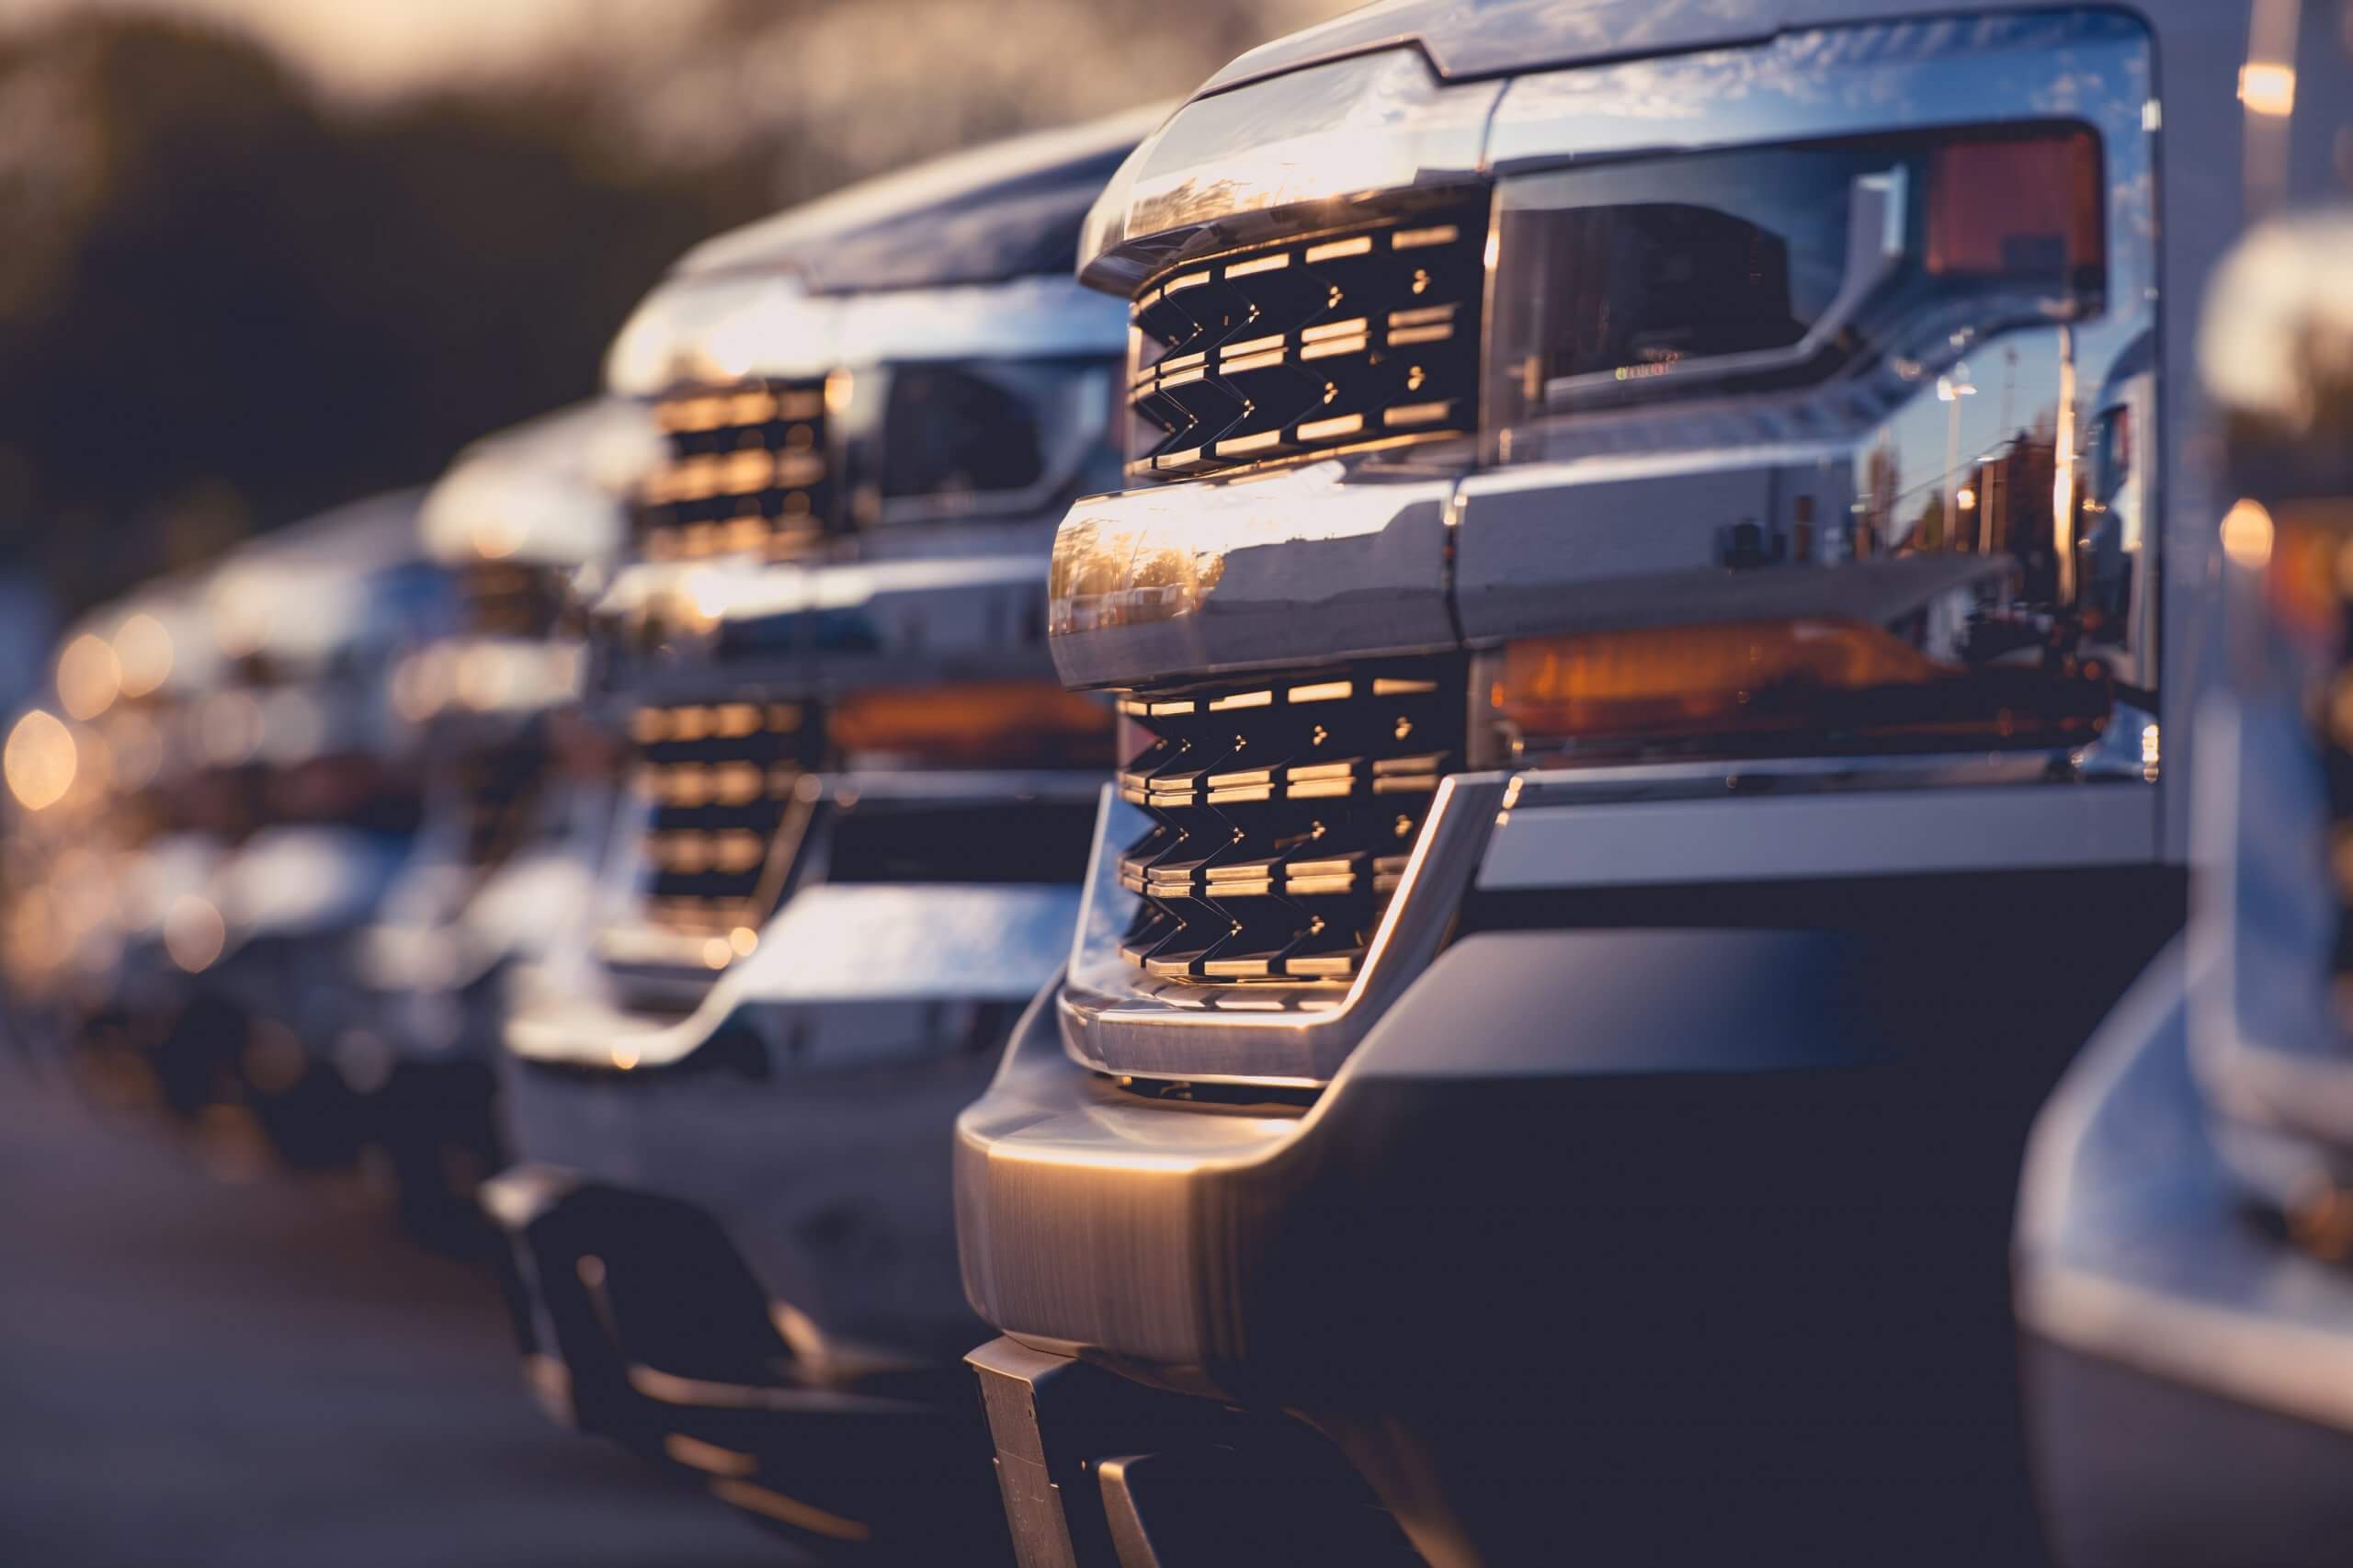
point(1652, 1210)
point(2177, 1350)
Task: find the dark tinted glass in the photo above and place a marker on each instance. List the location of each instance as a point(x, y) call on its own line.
point(1621, 280)
point(1744, 258)
point(969, 437)
point(1013, 841)
point(2111, 454)
point(958, 430)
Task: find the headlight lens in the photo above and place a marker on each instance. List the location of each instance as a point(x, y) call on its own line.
point(1002, 724)
point(1746, 685)
point(1779, 266)
point(1797, 320)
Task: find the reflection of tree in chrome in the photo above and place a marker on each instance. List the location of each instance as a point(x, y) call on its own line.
point(1123, 578)
point(2005, 508)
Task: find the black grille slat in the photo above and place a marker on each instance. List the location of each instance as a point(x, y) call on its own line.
point(498, 783)
point(1282, 814)
point(724, 778)
point(749, 469)
point(1308, 345)
point(509, 598)
point(500, 788)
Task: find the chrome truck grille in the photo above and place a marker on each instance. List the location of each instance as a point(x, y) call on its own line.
point(1341, 339)
point(748, 471)
point(725, 781)
point(1283, 811)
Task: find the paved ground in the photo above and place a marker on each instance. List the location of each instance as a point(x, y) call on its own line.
point(202, 1361)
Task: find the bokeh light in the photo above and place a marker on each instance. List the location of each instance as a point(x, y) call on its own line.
point(40, 760)
point(143, 651)
point(88, 676)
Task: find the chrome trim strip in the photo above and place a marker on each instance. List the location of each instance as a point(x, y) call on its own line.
point(846, 944)
point(1917, 832)
point(1114, 1020)
point(1809, 83)
point(955, 785)
point(1339, 559)
point(1296, 152)
point(725, 328)
point(1711, 777)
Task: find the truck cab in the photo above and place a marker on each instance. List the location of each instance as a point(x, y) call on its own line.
point(1656, 594)
point(863, 806)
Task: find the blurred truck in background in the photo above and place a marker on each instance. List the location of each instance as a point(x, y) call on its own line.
point(519, 792)
point(864, 803)
point(328, 785)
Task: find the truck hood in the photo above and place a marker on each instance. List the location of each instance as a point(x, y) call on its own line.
point(1466, 39)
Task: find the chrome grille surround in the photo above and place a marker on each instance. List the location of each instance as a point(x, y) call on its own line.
point(749, 470)
point(1283, 812)
point(1312, 344)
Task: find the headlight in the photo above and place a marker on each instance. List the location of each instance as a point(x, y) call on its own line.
point(992, 436)
point(1002, 724)
point(1764, 682)
point(1781, 266)
point(1801, 320)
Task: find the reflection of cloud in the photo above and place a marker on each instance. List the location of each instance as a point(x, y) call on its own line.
point(1932, 71)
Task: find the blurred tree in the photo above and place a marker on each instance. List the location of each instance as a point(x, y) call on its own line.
point(802, 78)
point(226, 302)
point(230, 306)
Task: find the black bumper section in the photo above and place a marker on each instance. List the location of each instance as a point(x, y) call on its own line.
point(1729, 1282)
point(639, 1321)
point(1098, 1469)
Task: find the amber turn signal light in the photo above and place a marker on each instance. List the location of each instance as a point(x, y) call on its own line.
point(1800, 680)
point(982, 724)
point(2016, 207)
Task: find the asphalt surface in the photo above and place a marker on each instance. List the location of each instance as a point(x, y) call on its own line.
point(203, 1360)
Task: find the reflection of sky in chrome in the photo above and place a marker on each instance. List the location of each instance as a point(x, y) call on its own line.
point(1353, 125)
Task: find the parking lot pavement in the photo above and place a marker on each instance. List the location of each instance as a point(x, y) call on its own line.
point(202, 1361)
